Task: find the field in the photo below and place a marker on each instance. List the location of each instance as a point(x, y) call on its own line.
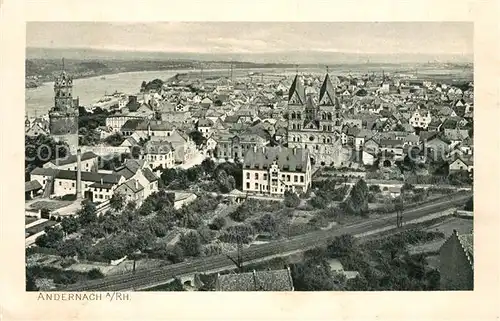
point(50, 204)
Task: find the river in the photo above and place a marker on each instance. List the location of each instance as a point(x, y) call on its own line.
point(39, 100)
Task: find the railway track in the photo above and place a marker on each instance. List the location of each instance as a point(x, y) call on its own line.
point(148, 278)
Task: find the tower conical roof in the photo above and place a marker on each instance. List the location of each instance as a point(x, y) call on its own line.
point(327, 92)
point(296, 94)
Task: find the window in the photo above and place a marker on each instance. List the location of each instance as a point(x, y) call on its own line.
point(256, 185)
point(265, 176)
point(248, 185)
point(295, 178)
point(256, 175)
point(302, 179)
point(72, 184)
point(287, 178)
point(60, 183)
point(248, 175)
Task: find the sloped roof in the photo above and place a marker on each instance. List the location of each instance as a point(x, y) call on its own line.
point(89, 176)
point(149, 175)
point(327, 92)
point(277, 280)
point(133, 185)
point(131, 124)
point(297, 89)
point(467, 242)
point(44, 171)
point(205, 122)
point(72, 159)
point(287, 159)
point(158, 147)
point(32, 186)
point(129, 169)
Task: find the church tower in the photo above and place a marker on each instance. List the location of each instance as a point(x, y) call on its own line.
point(296, 104)
point(63, 117)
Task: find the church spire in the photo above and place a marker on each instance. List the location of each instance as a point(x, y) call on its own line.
point(327, 91)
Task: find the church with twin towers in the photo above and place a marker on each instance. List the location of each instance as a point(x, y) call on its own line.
point(315, 122)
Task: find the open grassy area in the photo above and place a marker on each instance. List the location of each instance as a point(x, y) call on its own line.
point(50, 204)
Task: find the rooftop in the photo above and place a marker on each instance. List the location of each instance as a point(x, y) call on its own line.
point(287, 159)
point(277, 280)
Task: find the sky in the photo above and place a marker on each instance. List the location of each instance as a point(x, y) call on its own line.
point(454, 38)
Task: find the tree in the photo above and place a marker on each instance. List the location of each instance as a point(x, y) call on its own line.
point(168, 176)
point(110, 224)
point(117, 201)
point(193, 174)
point(30, 281)
point(70, 224)
point(190, 243)
point(40, 150)
point(197, 137)
point(357, 202)
point(147, 207)
point(291, 199)
point(115, 140)
point(71, 247)
point(267, 223)
point(341, 246)
point(51, 239)
point(226, 183)
point(176, 254)
point(218, 223)
point(208, 166)
point(312, 276)
point(87, 214)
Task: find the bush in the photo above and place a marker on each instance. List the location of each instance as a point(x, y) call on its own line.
point(95, 274)
point(190, 244)
point(237, 233)
point(291, 199)
point(218, 223)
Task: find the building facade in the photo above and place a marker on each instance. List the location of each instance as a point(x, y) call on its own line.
point(315, 126)
point(275, 170)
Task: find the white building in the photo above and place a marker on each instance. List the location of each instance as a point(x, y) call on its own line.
point(421, 118)
point(159, 154)
point(205, 127)
point(88, 161)
point(96, 186)
point(274, 170)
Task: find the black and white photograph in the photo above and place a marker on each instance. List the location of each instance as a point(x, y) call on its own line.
point(249, 156)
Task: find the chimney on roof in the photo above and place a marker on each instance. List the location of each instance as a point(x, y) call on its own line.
point(79, 174)
point(101, 180)
point(136, 184)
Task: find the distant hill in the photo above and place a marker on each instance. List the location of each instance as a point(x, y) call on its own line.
point(288, 57)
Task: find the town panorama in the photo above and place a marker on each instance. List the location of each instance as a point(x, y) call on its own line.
point(244, 176)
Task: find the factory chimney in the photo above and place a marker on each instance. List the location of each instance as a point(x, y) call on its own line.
point(79, 173)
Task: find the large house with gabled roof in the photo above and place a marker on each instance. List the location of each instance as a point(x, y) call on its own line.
point(275, 170)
